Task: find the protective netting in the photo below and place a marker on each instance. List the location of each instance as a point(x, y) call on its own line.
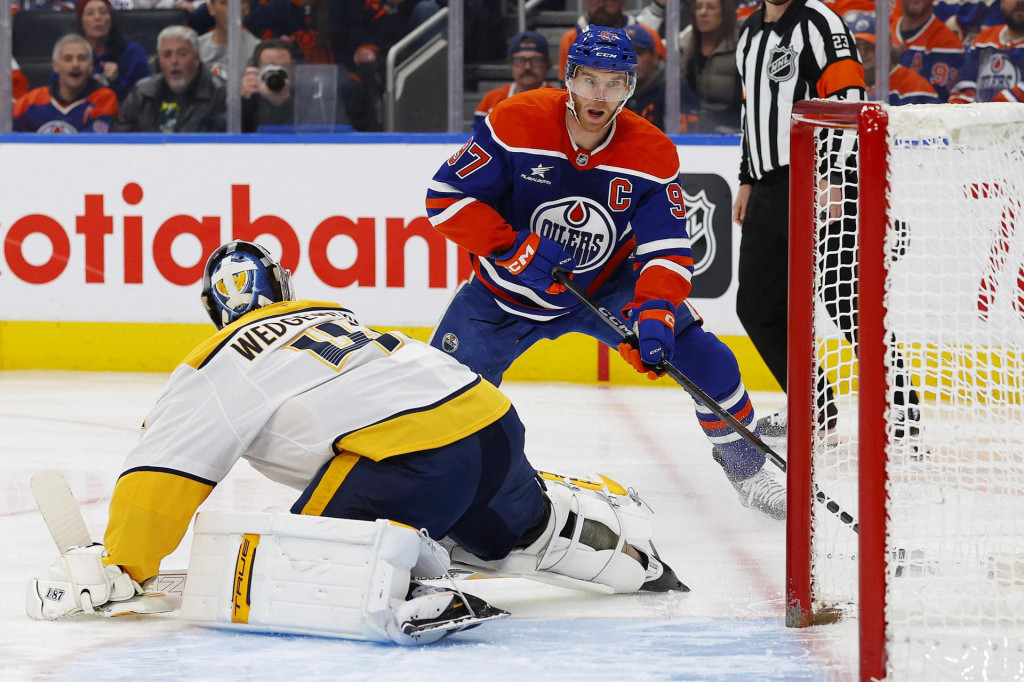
point(955, 328)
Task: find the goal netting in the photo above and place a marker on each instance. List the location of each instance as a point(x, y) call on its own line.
point(906, 384)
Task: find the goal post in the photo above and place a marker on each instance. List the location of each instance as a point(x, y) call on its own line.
point(905, 384)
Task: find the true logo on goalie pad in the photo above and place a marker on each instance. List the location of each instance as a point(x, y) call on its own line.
point(243, 577)
point(54, 594)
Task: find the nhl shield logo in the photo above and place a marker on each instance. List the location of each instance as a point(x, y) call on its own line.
point(700, 214)
point(781, 63)
point(582, 159)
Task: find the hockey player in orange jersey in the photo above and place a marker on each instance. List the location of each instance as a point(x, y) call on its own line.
point(569, 179)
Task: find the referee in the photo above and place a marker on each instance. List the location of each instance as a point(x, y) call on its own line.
point(787, 51)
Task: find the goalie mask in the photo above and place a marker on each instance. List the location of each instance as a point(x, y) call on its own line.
point(241, 277)
point(609, 51)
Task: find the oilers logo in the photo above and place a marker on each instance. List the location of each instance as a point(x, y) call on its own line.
point(450, 343)
point(995, 73)
point(580, 225)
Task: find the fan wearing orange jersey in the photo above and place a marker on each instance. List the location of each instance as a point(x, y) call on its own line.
point(529, 62)
point(75, 102)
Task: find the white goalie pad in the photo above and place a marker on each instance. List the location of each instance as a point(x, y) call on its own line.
point(304, 574)
point(581, 548)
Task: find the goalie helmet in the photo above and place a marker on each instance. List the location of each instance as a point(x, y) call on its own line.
point(605, 49)
point(241, 277)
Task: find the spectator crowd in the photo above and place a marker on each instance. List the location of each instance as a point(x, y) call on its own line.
point(941, 51)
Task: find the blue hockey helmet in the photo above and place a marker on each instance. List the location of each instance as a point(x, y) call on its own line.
point(241, 277)
point(604, 49)
point(601, 47)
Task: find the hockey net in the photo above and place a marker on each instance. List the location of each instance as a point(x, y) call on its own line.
point(907, 405)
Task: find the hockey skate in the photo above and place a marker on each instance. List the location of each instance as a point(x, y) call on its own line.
point(430, 614)
point(776, 425)
point(760, 491)
point(660, 577)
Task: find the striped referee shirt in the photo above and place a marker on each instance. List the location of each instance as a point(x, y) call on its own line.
point(808, 53)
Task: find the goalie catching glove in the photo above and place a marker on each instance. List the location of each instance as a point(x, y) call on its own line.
point(654, 324)
point(532, 258)
point(78, 582)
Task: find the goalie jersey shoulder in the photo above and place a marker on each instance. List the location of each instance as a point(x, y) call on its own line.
point(250, 336)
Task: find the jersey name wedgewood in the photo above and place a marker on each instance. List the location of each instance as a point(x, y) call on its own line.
point(522, 171)
point(288, 387)
point(258, 337)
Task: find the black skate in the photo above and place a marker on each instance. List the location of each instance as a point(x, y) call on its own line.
point(660, 576)
point(447, 611)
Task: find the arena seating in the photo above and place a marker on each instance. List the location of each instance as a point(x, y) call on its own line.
point(35, 32)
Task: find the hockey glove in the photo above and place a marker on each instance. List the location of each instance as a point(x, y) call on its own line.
point(76, 582)
point(654, 324)
point(531, 258)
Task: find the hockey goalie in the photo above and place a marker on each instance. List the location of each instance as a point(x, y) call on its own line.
point(392, 444)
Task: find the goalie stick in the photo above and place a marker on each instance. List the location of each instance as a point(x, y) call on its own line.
point(563, 277)
point(64, 520)
point(60, 510)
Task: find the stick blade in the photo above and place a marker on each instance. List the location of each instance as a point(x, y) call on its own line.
point(60, 510)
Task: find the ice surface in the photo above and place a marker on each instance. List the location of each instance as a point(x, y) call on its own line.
point(730, 627)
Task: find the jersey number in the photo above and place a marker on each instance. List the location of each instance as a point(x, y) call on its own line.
point(331, 342)
point(479, 156)
point(675, 197)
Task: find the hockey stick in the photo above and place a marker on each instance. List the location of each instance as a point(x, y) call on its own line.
point(64, 520)
point(562, 277)
point(60, 510)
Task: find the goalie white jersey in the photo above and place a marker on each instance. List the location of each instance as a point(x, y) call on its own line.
point(286, 387)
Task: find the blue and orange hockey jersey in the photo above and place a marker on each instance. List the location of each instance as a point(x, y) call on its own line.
point(522, 171)
point(992, 70)
point(907, 87)
point(933, 51)
point(41, 111)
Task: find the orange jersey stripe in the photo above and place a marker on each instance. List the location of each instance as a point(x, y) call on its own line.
point(479, 229)
point(440, 203)
point(719, 424)
point(839, 76)
point(662, 283)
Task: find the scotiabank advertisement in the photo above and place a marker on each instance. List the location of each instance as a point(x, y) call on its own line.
point(119, 232)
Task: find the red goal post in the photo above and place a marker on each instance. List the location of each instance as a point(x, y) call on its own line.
point(906, 375)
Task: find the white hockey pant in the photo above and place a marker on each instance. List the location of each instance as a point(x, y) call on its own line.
point(581, 547)
point(305, 574)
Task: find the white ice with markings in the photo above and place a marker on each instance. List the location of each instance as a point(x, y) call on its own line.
point(729, 627)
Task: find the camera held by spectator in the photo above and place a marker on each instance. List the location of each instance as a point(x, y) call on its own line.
point(276, 77)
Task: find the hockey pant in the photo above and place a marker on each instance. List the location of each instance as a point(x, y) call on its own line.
point(481, 491)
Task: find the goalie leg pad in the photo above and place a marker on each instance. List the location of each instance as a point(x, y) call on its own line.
point(307, 575)
point(582, 544)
